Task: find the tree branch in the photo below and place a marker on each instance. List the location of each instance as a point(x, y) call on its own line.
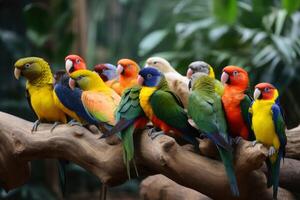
point(162, 155)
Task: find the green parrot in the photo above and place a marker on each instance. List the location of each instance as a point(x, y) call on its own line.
point(205, 108)
point(130, 117)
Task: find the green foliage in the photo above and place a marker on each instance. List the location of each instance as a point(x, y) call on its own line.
point(262, 37)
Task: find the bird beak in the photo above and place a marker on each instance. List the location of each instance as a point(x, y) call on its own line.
point(224, 78)
point(189, 73)
point(72, 83)
point(17, 73)
point(146, 65)
point(140, 80)
point(257, 94)
point(68, 66)
point(120, 69)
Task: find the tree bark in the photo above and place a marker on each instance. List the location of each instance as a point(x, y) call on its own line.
point(104, 159)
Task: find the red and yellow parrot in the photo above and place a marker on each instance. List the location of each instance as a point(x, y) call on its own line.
point(236, 102)
point(74, 63)
point(269, 129)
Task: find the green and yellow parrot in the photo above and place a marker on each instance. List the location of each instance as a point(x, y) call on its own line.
point(269, 129)
point(40, 96)
point(205, 108)
point(39, 90)
point(98, 100)
point(201, 66)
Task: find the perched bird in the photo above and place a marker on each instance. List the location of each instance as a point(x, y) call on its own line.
point(269, 129)
point(177, 83)
point(201, 66)
point(99, 101)
point(163, 107)
point(236, 102)
point(74, 63)
point(205, 108)
point(130, 117)
point(69, 100)
point(39, 90)
point(128, 71)
point(40, 96)
point(107, 71)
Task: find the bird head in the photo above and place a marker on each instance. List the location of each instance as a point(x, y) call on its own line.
point(265, 91)
point(33, 69)
point(200, 66)
point(106, 71)
point(149, 76)
point(85, 80)
point(235, 76)
point(160, 63)
point(74, 63)
point(127, 68)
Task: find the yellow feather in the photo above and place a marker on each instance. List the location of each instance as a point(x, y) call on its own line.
point(144, 96)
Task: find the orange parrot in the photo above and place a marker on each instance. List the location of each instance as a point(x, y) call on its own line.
point(128, 71)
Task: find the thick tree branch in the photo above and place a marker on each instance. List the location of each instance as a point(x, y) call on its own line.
point(162, 155)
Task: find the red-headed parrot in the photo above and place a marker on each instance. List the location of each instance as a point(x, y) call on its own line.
point(205, 108)
point(164, 108)
point(74, 63)
point(269, 129)
point(236, 102)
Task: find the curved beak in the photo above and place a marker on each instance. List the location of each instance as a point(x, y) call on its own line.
point(224, 78)
point(189, 73)
point(257, 94)
point(120, 69)
point(69, 66)
point(72, 83)
point(17, 73)
point(140, 80)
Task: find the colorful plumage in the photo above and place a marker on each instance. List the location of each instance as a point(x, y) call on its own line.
point(236, 102)
point(163, 107)
point(269, 129)
point(201, 66)
point(177, 83)
point(67, 99)
point(106, 71)
point(99, 101)
point(39, 90)
point(130, 117)
point(40, 96)
point(205, 108)
point(128, 71)
point(74, 63)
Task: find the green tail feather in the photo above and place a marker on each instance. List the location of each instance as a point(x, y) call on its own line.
point(227, 159)
point(275, 167)
point(128, 148)
point(62, 174)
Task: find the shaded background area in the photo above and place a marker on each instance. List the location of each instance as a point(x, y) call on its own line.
point(261, 36)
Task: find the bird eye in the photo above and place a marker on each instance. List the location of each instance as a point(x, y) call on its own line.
point(267, 89)
point(77, 61)
point(79, 78)
point(155, 62)
point(27, 65)
point(149, 76)
point(235, 73)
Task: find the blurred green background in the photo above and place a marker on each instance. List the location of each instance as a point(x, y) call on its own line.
point(263, 36)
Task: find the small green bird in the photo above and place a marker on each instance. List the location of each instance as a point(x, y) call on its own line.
point(205, 108)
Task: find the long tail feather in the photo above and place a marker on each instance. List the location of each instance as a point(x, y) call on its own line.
point(62, 175)
point(275, 174)
point(227, 159)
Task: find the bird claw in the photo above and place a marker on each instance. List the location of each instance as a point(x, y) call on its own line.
point(237, 140)
point(153, 133)
point(35, 125)
point(73, 122)
point(272, 151)
point(254, 142)
point(54, 126)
